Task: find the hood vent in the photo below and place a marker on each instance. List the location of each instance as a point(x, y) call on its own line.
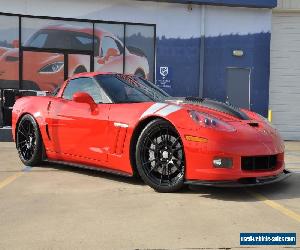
point(253, 124)
point(12, 59)
point(219, 106)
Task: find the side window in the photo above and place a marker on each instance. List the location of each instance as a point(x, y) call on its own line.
point(39, 40)
point(107, 43)
point(83, 84)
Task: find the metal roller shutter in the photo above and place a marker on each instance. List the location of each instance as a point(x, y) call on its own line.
point(285, 74)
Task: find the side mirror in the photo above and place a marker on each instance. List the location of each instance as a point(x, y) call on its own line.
point(101, 60)
point(15, 43)
point(83, 97)
point(111, 52)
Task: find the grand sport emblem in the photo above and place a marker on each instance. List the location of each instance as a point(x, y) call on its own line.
point(164, 71)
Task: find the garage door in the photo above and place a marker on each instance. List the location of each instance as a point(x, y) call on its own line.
point(285, 74)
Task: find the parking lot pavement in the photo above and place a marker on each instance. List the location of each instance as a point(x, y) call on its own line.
point(57, 207)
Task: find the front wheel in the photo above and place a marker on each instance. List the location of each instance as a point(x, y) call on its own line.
point(28, 141)
point(160, 157)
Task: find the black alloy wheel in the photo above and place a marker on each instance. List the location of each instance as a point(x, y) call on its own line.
point(28, 141)
point(160, 157)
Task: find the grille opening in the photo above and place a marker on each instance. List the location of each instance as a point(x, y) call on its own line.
point(253, 124)
point(267, 162)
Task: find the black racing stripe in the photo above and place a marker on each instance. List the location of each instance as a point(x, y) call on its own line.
point(219, 106)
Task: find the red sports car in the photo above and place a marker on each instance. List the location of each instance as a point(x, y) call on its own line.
point(126, 125)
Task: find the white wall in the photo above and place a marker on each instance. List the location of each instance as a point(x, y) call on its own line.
point(288, 5)
point(220, 21)
point(173, 20)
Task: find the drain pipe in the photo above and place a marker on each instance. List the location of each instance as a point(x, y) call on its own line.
point(202, 51)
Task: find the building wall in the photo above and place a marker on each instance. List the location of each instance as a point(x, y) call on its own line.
point(179, 31)
point(285, 69)
point(246, 29)
point(288, 5)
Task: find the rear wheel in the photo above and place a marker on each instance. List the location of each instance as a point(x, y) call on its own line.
point(160, 157)
point(140, 73)
point(80, 69)
point(28, 141)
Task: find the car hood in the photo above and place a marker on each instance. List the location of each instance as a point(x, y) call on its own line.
point(248, 124)
point(220, 110)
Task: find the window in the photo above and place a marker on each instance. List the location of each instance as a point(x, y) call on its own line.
point(39, 41)
point(140, 41)
point(57, 34)
point(122, 90)
point(107, 43)
point(60, 39)
point(83, 84)
point(9, 63)
point(111, 36)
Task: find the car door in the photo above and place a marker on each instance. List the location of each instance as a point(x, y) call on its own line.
point(75, 131)
point(111, 56)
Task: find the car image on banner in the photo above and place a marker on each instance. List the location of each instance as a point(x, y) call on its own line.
point(44, 70)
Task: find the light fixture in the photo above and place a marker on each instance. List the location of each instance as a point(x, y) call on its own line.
point(222, 162)
point(238, 53)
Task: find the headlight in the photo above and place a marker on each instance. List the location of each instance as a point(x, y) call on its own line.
point(52, 67)
point(265, 120)
point(208, 121)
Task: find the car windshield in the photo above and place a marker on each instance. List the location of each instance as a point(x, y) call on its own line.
point(126, 89)
point(62, 39)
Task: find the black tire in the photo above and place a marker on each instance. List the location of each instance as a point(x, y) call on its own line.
point(160, 157)
point(80, 69)
point(140, 73)
point(29, 141)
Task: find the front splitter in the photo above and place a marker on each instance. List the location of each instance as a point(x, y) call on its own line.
point(246, 182)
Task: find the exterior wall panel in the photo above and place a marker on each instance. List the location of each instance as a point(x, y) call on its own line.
point(285, 74)
point(229, 29)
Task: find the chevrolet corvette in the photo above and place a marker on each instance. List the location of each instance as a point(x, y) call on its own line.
point(126, 125)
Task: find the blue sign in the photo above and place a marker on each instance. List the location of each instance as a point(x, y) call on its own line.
point(163, 79)
point(268, 239)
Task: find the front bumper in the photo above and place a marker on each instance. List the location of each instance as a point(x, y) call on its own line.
point(243, 182)
point(245, 142)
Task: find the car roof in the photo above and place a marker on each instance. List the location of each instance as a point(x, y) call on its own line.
point(90, 74)
point(73, 28)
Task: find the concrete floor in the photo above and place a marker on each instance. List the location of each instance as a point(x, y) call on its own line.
point(56, 207)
